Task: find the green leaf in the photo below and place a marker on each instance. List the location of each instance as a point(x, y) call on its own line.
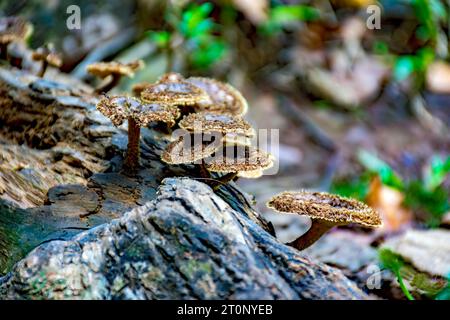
point(285, 14)
point(378, 166)
point(404, 67)
point(195, 21)
point(161, 38)
point(209, 53)
point(436, 172)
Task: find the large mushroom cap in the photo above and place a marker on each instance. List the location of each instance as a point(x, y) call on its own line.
point(119, 108)
point(190, 148)
point(104, 69)
point(325, 206)
point(177, 93)
point(239, 159)
point(14, 28)
point(215, 122)
point(223, 97)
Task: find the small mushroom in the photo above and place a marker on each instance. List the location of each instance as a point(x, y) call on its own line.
point(215, 122)
point(325, 210)
point(120, 108)
point(223, 97)
point(13, 29)
point(190, 148)
point(115, 70)
point(48, 56)
point(239, 161)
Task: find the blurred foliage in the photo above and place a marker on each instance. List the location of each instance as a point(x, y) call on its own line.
point(426, 194)
point(195, 30)
point(284, 15)
point(434, 288)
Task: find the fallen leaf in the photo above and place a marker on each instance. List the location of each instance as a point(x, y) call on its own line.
point(388, 202)
point(254, 10)
point(427, 250)
point(438, 77)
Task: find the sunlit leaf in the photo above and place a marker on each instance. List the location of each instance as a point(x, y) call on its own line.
point(376, 165)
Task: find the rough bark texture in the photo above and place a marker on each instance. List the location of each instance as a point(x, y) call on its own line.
point(97, 233)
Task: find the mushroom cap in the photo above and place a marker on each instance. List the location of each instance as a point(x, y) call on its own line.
point(254, 174)
point(170, 77)
point(239, 158)
point(223, 97)
point(120, 108)
point(14, 28)
point(175, 93)
point(325, 206)
point(104, 69)
point(231, 139)
point(47, 53)
point(216, 122)
point(183, 150)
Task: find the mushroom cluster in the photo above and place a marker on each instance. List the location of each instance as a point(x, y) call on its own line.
point(215, 137)
point(14, 33)
point(325, 210)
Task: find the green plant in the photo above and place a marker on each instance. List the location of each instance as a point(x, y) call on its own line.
point(390, 260)
point(284, 15)
point(426, 194)
point(192, 29)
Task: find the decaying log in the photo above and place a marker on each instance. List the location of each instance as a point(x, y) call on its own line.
point(97, 233)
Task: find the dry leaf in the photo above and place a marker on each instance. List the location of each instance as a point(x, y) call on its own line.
point(427, 250)
point(388, 202)
point(254, 10)
point(438, 77)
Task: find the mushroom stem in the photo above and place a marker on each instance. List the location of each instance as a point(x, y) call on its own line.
point(132, 158)
point(109, 85)
point(228, 177)
point(204, 173)
point(43, 68)
point(317, 230)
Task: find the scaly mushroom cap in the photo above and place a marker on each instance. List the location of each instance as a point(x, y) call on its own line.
point(104, 69)
point(255, 174)
point(14, 28)
point(185, 150)
point(48, 54)
point(223, 97)
point(119, 108)
point(170, 77)
point(239, 159)
point(231, 139)
point(216, 122)
point(325, 206)
point(178, 93)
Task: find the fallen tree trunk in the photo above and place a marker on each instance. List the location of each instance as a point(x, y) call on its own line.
point(100, 234)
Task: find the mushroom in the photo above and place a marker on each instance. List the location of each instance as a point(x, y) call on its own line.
point(190, 148)
point(325, 210)
point(172, 91)
point(120, 108)
point(13, 29)
point(115, 70)
point(215, 122)
point(239, 161)
point(48, 56)
point(223, 97)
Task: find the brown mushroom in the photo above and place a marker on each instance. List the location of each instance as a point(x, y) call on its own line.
point(190, 148)
point(115, 70)
point(120, 108)
point(170, 77)
point(48, 56)
point(325, 210)
point(215, 122)
point(174, 93)
point(13, 29)
point(223, 97)
point(237, 160)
